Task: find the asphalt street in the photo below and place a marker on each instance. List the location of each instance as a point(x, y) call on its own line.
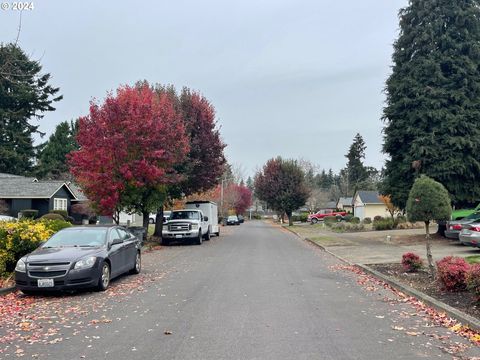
point(256, 292)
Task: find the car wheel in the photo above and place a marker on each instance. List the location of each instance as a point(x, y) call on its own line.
point(199, 238)
point(138, 264)
point(164, 242)
point(207, 235)
point(314, 220)
point(218, 232)
point(104, 278)
point(151, 221)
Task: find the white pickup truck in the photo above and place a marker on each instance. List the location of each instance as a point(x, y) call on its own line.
point(187, 224)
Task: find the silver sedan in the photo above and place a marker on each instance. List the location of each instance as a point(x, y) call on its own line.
point(454, 227)
point(470, 235)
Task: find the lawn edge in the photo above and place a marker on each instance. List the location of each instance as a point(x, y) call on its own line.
point(466, 319)
point(7, 290)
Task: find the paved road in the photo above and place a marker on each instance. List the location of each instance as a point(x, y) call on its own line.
point(257, 292)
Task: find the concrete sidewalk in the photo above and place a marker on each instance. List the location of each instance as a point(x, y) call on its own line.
point(376, 247)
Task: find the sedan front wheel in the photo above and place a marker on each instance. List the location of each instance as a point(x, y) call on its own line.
point(104, 279)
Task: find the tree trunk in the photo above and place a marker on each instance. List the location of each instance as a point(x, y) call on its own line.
point(442, 226)
point(429, 250)
point(159, 223)
point(146, 222)
point(290, 219)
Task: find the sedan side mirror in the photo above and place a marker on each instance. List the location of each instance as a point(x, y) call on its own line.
point(117, 241)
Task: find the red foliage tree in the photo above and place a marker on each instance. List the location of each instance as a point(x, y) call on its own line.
point(244, 199)
point(205, 161)
point(128, 147)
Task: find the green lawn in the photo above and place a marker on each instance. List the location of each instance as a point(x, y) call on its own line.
point(330, 241)
point(474, 259)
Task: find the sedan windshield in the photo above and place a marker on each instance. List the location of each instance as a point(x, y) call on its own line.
point(181, 215)
point(78, 237)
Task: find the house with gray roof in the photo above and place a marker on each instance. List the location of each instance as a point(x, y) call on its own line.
point(345, 203)
point(368, 204)
point(22, 193)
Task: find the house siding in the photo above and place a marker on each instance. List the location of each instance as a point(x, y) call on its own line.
point(60, 194)
point(18, 205)
point(372, 210)
point(42, 205)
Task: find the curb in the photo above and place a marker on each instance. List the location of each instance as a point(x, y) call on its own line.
point(438, 305)
point(452, 312)
point(7, 290)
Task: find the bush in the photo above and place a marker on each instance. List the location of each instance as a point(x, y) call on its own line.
point(63, 213)
point(355, 220)
point(330, 219)
point(378, 218)
point(348, 217)
point(29, 213)
point(301, 217)
point(20, 238)
point(55, 224)
point(383, 224)
point(367, 220)
point(257, 216)
point(473, 280)
point(452, 273)
point(400, 219)
point(52, 216)
point(411, 262)
point(347, 227)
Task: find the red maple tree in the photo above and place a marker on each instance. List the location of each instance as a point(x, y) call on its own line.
point(130, 142)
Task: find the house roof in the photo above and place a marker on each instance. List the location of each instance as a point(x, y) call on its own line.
point(15, 187)
point(345, 200)
point(369, 197)
point(77, 191)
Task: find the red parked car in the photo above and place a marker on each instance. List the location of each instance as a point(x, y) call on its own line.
point(319, 215)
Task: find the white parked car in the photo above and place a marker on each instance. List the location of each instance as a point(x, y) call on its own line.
point(7, 218)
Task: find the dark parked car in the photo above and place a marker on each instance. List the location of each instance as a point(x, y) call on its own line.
point(241, 219)
point(454, 227)
point(79, 257)
point(233, 220)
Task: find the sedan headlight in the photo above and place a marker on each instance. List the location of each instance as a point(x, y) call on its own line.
point(21, 267)
point(194, 226)
point(85, 263)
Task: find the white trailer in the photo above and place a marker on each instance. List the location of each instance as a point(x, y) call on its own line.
point(210, 210)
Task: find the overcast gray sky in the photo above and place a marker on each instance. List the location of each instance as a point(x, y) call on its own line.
point(292, 78)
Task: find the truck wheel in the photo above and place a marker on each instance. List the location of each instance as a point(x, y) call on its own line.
point(164, 242)
point(314, 220)
point(198, 241)
point(218, 232)
point(207, 235)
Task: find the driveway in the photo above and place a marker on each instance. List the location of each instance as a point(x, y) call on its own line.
point(256, 292)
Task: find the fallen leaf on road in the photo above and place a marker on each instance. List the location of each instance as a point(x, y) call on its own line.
point(167, 332)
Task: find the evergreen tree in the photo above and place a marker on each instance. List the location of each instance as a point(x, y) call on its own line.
point(433, 100)
point(25, 95)
point(355, 171)
point(52, 161)
point(250, 184)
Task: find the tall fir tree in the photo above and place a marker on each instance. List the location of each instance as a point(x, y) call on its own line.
point(433, 100)
point(25, 95)
point(52, 158)
point(355, 172)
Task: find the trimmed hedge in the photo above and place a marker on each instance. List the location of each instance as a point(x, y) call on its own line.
point(29, 213)
point(452, 273)
point(52, 216)
point(63, 213)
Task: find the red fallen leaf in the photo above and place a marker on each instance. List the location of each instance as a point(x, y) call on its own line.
point(167, 332)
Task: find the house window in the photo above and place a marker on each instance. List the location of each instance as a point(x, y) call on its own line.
point(60, 204)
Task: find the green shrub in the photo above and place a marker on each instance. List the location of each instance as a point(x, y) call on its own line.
point(348, 217)
point(330, 219)
point(52, 216)
point(20, 238)
point(257, 216)
point(29, 213)
point(378, 218)
point(400, 219)
point(55, 224)
point(346, 227)
point(384, 224)
point(367, 220)
point(63, 213)
point(355, 220)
